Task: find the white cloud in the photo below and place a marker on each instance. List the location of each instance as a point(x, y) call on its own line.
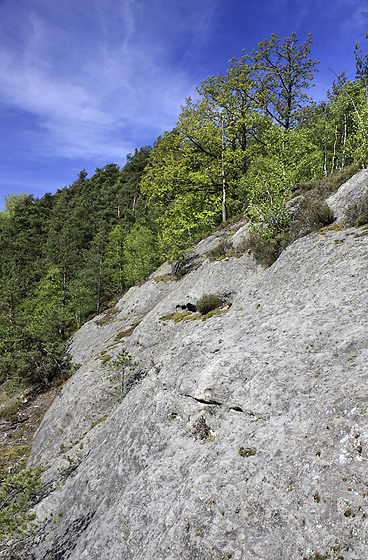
point(98, 77)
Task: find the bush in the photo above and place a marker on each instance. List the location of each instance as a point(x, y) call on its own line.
point(332, 183)
point(220, 250)
point(266, 251)
point(322, 215)
point(208, 302)
point(27, 359)
point(327, 185)
point(357, 214)
point(312, 214)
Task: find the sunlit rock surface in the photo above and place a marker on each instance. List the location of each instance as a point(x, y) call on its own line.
point(243, 436)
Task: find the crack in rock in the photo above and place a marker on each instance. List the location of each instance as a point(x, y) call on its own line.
point(203, 401)
point(236, 409)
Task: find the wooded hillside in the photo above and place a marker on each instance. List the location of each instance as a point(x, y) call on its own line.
point(250, 140)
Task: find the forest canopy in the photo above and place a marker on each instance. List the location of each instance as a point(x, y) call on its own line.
point(240, 148)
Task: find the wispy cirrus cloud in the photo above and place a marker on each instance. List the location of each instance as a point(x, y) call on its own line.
point(84, 82)
point(96, 77)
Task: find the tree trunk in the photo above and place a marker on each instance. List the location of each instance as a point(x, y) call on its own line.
point(223, 204)
point(99, 286)
point(334, 150)
point(344, 143)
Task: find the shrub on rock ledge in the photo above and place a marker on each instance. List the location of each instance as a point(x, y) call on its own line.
point(208, 302)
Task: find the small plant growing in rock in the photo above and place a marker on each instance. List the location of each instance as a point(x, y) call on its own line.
point(357, 214)
point(122, 360)
point(220, 250)
point(265, 251)
point(200, 429)
point(123, 365)
point(208, 302)
point(246, 451)
point(323, 214)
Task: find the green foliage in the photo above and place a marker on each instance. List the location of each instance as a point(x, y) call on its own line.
point(284, 71)
point(266, 250)
point(26, 358)
point(17, 494)
point(250, 140)
point(236, 146)
point(177, 184)
point(272, 175)
point(62, 259)
point(357, 214)
point(312, 214)
point(140, 253)
point(123, 365)
point(208, 302)
point(115, 258)
point(220, 250)
point(11, 202)
point(123, 359)
point(269, 217)
point(322, 215)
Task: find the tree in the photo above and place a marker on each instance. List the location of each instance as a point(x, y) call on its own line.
point(203, 166)
point(11, 202)
point(128, 186)
point(48, 306)
point(181, 188)
point(220, 126)
point(140, 252)
point(115, 258)
point(283, 73)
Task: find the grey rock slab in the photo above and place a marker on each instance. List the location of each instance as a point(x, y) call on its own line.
point(351, 192)
point(282, 373)
point(247, 437)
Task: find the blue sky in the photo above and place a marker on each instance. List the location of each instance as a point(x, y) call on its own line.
point(85, 82)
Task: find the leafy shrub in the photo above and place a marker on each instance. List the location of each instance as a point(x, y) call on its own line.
point(265, 251)
point(329, 184)
point(311, 215)
point(338, 178)
point(268, 220)
point(208, 302)
point(26, 358)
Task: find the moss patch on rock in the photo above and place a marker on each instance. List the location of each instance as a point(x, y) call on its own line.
point(181, 316)
point(221, 310)
point(107, 317)
point(165, 278)
point(127, 332)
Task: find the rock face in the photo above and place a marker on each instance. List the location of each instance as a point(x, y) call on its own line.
point(352, 192)
point(243, 436)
